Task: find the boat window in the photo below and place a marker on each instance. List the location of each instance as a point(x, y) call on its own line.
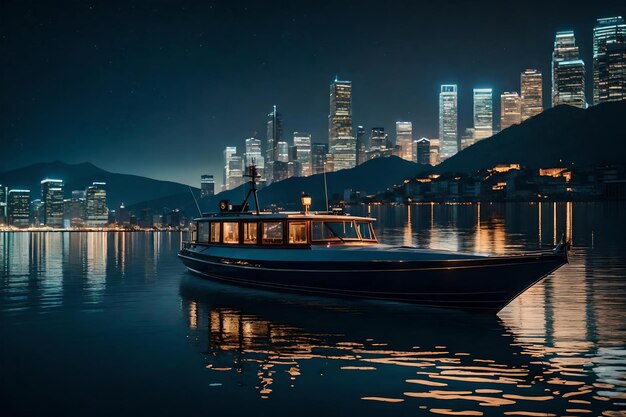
point(297, 232)
point(249, 233)
point(334, 230)
point(272, 233)
point(215, 232)
point(203, 231)
point(231, 232)
point(365, 230)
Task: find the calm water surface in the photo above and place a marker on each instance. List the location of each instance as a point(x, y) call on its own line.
point(111, 324)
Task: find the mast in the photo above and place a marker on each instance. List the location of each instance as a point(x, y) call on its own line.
point(252, 174)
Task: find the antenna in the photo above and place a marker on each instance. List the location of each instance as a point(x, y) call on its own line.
point(195, 201)
point(252, 175)
point(325, 186)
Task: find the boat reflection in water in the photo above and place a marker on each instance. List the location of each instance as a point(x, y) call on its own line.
point(404, 357)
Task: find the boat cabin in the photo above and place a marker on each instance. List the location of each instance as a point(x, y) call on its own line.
point(282, 229)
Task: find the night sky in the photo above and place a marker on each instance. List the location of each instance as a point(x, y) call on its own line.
point(159, 88)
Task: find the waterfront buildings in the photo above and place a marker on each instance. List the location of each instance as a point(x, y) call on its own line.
point(422, 151)
point(3, 205)
point(52, 197)
point(510, 109)
point(361, 145)
point(207, 185)
point(96, 212)
point(483, 113)
point(531, 93)
point(568, 72)
point(319, 153)
point(18, 208)
point(448, 121)
point(302, 144)
point(609, 60)
point(404, 140)
point(341, 141)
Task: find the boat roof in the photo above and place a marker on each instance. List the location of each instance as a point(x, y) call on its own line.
point(291, 215)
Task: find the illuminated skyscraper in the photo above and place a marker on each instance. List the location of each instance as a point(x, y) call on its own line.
point(302, 143)
point(467, 138)
point(207, 185)
point(361, 145)
point(568, 72)
point(318, 157)
point(229, 152)
point(378, 139)
point(340, 139)
point(422, 151)
point(609, 60)
point(532, 93)
point(3, 205)
point(253, 156)
point(18, 208)
point(404, 139)
point(283, 152)
point(510, 110)
point(96, 211)
point(274, 135)
point(235, 172)
point(52, 197)
point(448, 120)
point(483, 113)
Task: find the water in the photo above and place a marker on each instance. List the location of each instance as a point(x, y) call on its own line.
point(111, 324)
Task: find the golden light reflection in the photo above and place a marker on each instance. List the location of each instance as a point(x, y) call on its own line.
point(551, 375)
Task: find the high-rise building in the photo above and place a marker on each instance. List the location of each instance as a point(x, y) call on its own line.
point(448, 121)
point(52, 197)
point(361, 145)
point(340, 139)
point(274, 135)
point(510, 109)
point(229, 152)
point(254, 156)
point(283, 152)
point(74, 209)
point(609, 60)
point(96, 211)
point(568, 72)
point(318, 157)
point(302, 143)
point(378, 139)
point(483, 113)
point(235, 172)
point(422, 153)
point(281, 171)
point(435, 146)
point(36, 212)
point(467, 138)
point(404, 139)
point(18, 208)
point(207, 185)
point(3, 205)
point(532, 93)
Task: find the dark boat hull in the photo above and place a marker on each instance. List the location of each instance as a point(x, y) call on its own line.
point(487, 283)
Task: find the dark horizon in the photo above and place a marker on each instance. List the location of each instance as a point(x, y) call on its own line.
point(160, 89)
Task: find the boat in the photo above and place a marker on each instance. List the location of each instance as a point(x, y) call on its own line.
point(336, 254)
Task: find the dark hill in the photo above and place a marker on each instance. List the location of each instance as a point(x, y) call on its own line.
point(561, 135)
point(369, 178)
point(129, 189)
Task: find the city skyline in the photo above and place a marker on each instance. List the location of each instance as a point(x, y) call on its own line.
point(403, 99)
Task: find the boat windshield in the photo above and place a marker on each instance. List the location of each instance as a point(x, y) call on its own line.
point(337, 230)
